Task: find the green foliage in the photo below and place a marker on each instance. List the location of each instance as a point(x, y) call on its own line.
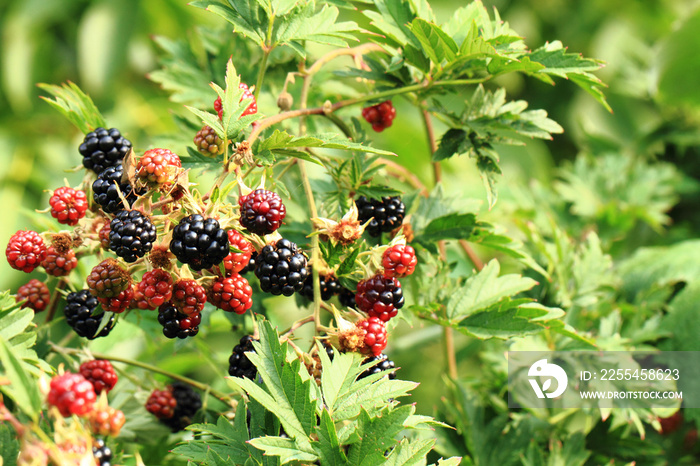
point(75, 105)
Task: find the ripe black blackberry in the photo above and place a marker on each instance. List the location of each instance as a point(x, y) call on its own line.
point(251, 264)
point(385, 364)
point(78, 312)
point(329, 286)
point(281, 268)
point(387, 214)
point(105, 193)
point(238, 364)
point(176, 324)
point(102, 453)
point(199, 242)
point(346, 297)
point(188, 403)
point(103, 148)
point(131, 235)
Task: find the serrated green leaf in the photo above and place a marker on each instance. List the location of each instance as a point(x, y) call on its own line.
point(375, 435)
point(9, 445)
point(485, 289)
point(392, 19)
point(307, 24)
point(499, 324)
point(285, 448)
point(75, 105)
point(280, 140)
point(349, 263)
point(209, 119)
point(410, 453)
point(453, 142)
point(22, 389)
point(195, 159)
point(437, 45)
point(244, 15)
point(14, 320)
point(455, 226)
point(328, 445)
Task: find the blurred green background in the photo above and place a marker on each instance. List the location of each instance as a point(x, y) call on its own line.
point(653, 72)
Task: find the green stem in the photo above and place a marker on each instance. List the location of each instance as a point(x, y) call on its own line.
point(198, 385)
point(261, 72)
point(342, 126)
point(315, 258)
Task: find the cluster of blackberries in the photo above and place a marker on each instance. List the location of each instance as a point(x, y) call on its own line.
point(238, 364)
point(330, 286)
point(175, 406)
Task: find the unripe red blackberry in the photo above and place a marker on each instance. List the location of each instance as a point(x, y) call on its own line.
point(386, 214)
point(330, 286)
point(380, 116)
point(232, 294)
point(189, 296)
point(108, 185)
point(107, 279)
point(68, 205)
point(384, 364)
point(103, 234)
point(119, 303)
point(399, 261)
point(237, 261)
point(154, 289)
point(379, 296)
point(238, 364)
point(252, 108)
point(262, 211)
point(176, 324)
point(131, 235)
point(208, 142)
point(25, 251)
point(100, 373)
point(375, 336)
point(79, 315)
point(35, 293)
point(199, 242)
point(103, 148)
point(282, 268)
point(161, 404)
point(158, 167)
point(71, 394)
point(59, 264)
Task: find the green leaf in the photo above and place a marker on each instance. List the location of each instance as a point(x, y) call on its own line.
point(246, 16)
point(195, 159)
point(284, 392)
point(453, 142)
point(328, 446)
point(454, 226)
point(437, 45)
point(306, 24)
point(677, 64)
point(376, 435)
point(75, 105)
point(392, 19)
point(285, 448)
point(408, 453)
point(485, 289)
point(209, 119)
point(22, 389)
point(280, 140)
point(9, 446)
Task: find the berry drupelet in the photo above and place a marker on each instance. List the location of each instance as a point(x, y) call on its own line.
point(238, 364)
point(189, 296)
point(35, 293)
point(208, 142)
point(71, 394)
point(154, 289)
point(176, 324)
point(379, 296)
point(199, 242)
point(103, 148)
point(375, 335)
point(102, 453)
point(386, 214)
point(78, 312)
point(108, 185)
point(158, 167)
point(262, 212)
point(108, 279)
point(100, 373)
point(57, 263)
point(161, 404)
point(282, 268)
point(25, 251)
point(131, 235)
point(68, 205)
point(237, 261)
point(119, 303)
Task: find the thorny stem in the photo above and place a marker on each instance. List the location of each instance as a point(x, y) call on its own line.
point(198, 385)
